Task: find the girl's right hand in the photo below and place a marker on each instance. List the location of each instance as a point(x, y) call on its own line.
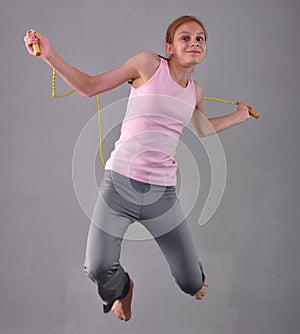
point(44, 44)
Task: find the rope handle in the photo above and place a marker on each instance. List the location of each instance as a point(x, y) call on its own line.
point(35, 46)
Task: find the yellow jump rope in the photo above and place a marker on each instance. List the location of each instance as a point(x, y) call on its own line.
point(37, 53)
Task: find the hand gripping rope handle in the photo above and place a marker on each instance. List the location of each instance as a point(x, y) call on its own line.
point(37, 52)
point(35, 46)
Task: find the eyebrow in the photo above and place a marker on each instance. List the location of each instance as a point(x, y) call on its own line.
point(188, 32)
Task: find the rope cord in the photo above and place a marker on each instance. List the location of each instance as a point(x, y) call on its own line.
point(57, 96)
point(69, 92)
point(219, 100)
point(54, 95)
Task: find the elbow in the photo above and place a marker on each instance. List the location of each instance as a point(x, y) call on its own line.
point(204, 134)
point(87, 89)
point(86, 94)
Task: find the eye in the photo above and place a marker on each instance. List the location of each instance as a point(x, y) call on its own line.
point(200, 39)
point(185, 38)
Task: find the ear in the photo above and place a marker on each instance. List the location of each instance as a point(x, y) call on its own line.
point(169, 49)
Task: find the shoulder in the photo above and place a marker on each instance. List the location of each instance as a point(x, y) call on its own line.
point(145, 58)
point(149, 55)
point(145, 64)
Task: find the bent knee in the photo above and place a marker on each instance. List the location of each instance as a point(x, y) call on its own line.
point(99, 271)
point(193, 283)
point(191, 286)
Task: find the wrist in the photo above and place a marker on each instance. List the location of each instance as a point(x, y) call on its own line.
point(240, 117)
point(50, 57)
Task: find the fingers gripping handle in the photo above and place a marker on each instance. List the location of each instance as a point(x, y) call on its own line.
point(35, 46)
point(253, 113)
point(36, 49)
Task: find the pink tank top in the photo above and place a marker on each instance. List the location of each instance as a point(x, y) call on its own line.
point(156, 114)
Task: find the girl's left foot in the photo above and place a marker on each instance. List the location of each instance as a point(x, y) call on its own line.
point(199, 295)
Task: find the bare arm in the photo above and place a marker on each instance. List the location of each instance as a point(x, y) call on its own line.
point(205, 127)
point(83, 83)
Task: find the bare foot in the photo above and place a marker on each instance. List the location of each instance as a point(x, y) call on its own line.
point(122, 307)
point(199, 295)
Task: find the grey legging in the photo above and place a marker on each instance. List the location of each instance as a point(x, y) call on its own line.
point(121, 202)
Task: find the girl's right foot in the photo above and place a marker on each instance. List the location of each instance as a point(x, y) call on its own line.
point(122, 307)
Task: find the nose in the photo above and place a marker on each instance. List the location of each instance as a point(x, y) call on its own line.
point(195, 42)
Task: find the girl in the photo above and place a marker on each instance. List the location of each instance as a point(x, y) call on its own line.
point(139, 181)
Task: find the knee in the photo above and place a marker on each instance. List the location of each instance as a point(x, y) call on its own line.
point(192, 283)
point(98, 271)
point(191, 287)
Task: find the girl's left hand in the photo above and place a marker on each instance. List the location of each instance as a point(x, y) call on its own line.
point(242, 110)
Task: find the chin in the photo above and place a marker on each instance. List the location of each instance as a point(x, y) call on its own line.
point(194, 62)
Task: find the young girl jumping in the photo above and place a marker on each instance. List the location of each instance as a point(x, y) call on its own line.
point(139, 182)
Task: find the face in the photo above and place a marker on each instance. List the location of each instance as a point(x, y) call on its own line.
point(189, 45)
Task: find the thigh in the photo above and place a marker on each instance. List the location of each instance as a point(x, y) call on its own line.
point(109, 215)
point(113, 213)
point(163, 212)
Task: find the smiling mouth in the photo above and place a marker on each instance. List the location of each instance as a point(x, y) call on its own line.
point(194, 51)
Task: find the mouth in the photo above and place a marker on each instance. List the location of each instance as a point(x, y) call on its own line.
point(194, 51)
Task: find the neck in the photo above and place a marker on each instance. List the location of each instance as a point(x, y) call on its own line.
point(180, 73)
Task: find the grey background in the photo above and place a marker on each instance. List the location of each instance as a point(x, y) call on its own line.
point(250, 246)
